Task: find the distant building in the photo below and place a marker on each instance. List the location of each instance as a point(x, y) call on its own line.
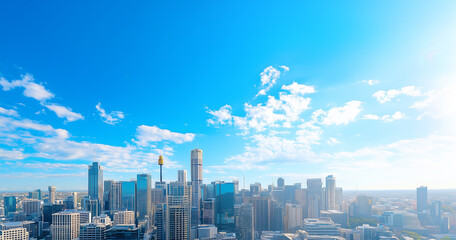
point(178, 211)
point(92, 231)
point(323, 226)
point(262, 210)
point(65, 226)
point(196, 158)
point(9, 202)
point(421, 199)
point(31, 206)
point(124, 217)
point(203, 232)
point(14, 234)
point(208, 209)
point(129, 195)
point(292, 219)
point(95, 182)
point(280, 183)
point(84, 216)
point(363, 206)
point(314, 194)
point(245, 222)
point(49, 209)
point(51, 194)
point(124, 232)
point(330, 193)
point(143, 195)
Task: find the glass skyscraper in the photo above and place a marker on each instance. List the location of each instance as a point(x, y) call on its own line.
point(129, 195)
point(9, 204)
point(96, 183)
point(224, 205)
point(143, 195)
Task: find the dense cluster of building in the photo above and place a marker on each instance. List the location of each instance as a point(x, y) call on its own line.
point(138, 209)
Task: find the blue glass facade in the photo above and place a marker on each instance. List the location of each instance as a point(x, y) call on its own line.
point(224, 205)
point(129, 196)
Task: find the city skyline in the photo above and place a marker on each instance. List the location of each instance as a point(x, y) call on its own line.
point(292, 93)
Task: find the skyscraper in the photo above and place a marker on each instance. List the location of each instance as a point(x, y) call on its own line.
point(182, 176)
point(179, 203)
point(51, 194)
point(421, 199)
point(245, 222)
point(197, 180)
point(65, 226)
point(314, 193)
point(115, 195)
point(143, 195)
point(31, 206)
point(9, 203)
point(330, 193)
point(129, 195)
point(280, 183)
point(96, 183)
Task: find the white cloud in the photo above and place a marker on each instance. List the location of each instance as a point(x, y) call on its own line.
point(439, 103)
point(8, 112)
point(339, 115)
point(371, 82)
point(64, 112)
point(111, 118)
point(332, 141)
point(31, 89)
point(269, 77)
point(296, 88)
point(221, 116)
point(386, 96)
point(385, 118)
point(403, 159)
point(149, 134)
point(12, 154)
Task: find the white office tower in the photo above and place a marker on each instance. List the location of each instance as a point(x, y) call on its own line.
point(14, 234)
point(103, 218)
point(124, 217)
point(51, 194)
point(178, 214)
point(197, 181)
point(93, 231)
point(330, 193)
point(84, 216)
point(182, 176)
point(31, 206)
point(314, 195)
point(65, 226)
point(292, 218)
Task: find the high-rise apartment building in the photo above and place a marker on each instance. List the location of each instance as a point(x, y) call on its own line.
point(92, 231)
point(31, 206)
point(245, 222)
point(124, 217)
point(314, 194)
point(65, 226)
point(51, 194)
point(330, 198)
point(14, 234)
point(178, 216)
point(292, 219)
point(143, 195)
point(182, 176)
point(421, 199)
point(197, 181)
point(96, 183)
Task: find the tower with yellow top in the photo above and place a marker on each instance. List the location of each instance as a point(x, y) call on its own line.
point(160, 162)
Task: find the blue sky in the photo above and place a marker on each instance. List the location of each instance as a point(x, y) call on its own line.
point(267, 89)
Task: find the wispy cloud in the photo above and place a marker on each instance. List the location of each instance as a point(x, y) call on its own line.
point(339, 115)
point(110, 118)
point(386, 96)
point(385, 118)
point(269, 77)
point(64, 112)
point(146, 135)
point(8, 112)
point(371, 82)
point(31, 89)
